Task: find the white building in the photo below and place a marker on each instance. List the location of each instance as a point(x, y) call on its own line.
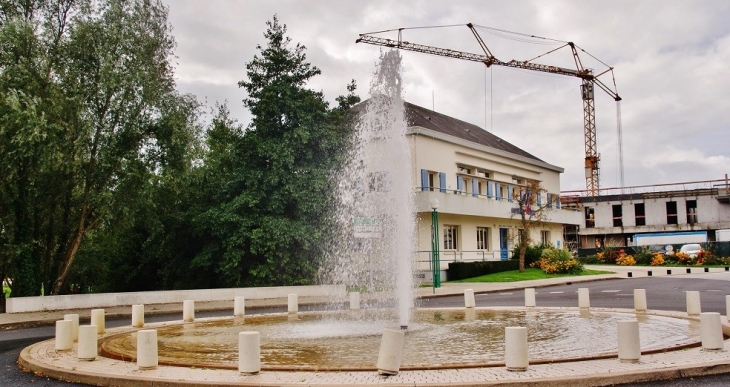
point(617, 216)
point(473, 175)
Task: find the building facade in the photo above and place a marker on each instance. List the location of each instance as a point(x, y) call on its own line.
point(474, 175)
point(626, 216)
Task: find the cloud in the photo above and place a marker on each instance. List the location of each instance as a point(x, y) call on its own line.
point(670, 59)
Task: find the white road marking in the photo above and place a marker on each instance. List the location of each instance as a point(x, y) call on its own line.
point(610, 291)
point(557, 292)
point(505, 294)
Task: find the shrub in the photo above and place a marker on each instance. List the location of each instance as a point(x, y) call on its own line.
point(643, 256)
point(683, 258)
point(624, 259)
point(462, 270)
point(591, 259)
point(558, 261)
point(657, 259)
point(704, 257)
point(532, 252)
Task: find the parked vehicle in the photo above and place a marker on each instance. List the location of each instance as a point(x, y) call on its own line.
point(691, 249)
point(661, 249)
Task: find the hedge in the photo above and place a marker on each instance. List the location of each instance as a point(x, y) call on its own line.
point(462, 270)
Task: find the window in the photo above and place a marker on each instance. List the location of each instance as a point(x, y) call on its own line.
point(376, 181)
point(640, 214)
point(465, 170)
point(671, 212)
point(691, 211)
point(431, 181)
point(482, 238)
point(544, 237)
point(451, 236)
point(617, 214)
point(480, 188)
point(518, 180)
point(483, 174)
point(590, 218)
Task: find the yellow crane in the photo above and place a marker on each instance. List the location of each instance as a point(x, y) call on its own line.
point(588, 78)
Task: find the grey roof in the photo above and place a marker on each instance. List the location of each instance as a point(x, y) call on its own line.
point(429, 119)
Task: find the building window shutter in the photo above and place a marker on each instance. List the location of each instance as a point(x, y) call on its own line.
point(460, 184)
point(442, 182)
point(424, 180)
point(509, 193)
point(497, 192)
point(475, 188)
point(557, 202)
point(549, 201)
point(490, 189)
point(539, 199)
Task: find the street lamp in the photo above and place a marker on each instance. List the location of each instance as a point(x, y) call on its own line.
point(435, 261)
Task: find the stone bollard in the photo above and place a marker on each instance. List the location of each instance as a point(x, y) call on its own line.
point(249, 352)
point(87, 342)
point(469, 298)
point(354, 300)
point(147, 349)
point(293, 303)
point(584, 300)
point(98, 319)
point(239, 306)
point(64, 335)
point(530, 297)
point(727, 307)
point(640, 300)
point(189, 310)
point(711, 332)
point(391, 352)
point(515, 348)
point(74, 318)
point(138, 316)
point(694, 307)
point(629, 347)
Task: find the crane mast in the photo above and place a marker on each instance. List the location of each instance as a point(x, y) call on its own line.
point(589, 82)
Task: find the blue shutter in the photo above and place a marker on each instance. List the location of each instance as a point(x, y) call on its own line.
point(539, 199)
point(424, 180)
point(549, 203)
point(509, 193)
point(497, 191)
point(490, 189)
point(442, 182)
point(557, 201)
point(460, 184)
point(475, 188)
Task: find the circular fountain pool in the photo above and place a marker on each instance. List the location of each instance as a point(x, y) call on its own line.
point(437, 338)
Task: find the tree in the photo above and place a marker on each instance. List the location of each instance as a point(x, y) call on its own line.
point(532, 204)
point(89, 94)
point(271, 224)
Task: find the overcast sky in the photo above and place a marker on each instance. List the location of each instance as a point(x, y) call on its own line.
point(671, 61)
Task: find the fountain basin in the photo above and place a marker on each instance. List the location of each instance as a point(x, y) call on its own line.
point(436, 338)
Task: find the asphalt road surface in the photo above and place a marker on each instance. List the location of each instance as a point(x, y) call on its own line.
point(663, 293)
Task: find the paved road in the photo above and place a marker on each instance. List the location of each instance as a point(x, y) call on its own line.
point(664, 293)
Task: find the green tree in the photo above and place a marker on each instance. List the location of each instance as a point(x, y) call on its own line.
point(92, 117)
point(270, 227)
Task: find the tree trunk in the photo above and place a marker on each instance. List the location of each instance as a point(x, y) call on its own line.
point(523, 249)
point(68, 258)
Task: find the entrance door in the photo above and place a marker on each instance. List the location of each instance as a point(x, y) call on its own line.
point(503, 243)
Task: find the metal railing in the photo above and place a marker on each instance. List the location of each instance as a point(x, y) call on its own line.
point(460, 256)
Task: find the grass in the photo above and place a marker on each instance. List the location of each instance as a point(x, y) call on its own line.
point(529, 274)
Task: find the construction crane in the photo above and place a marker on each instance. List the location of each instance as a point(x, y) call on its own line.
point(588, 78)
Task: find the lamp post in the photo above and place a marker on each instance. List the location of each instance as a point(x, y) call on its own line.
point(435, 261)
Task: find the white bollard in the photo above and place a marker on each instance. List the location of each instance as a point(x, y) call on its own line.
point(727, 307)
point(147, 349)
point(629, 346)
point(354, 300)
point(391, 352)
point(138, 316)
point(469, 298)
point(74, 318)
point(640, 300)
point(584, 300)
point(249, 352)
point(64, 335)
point(239, 306)
point(87, 342)
point(515, 348)
point(711, 331)
point(694, 308)
point(188, 310)
point(293, 303)
point(98, 319)
point(530, 298)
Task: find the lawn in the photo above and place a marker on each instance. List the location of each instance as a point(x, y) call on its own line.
point(529, 274)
